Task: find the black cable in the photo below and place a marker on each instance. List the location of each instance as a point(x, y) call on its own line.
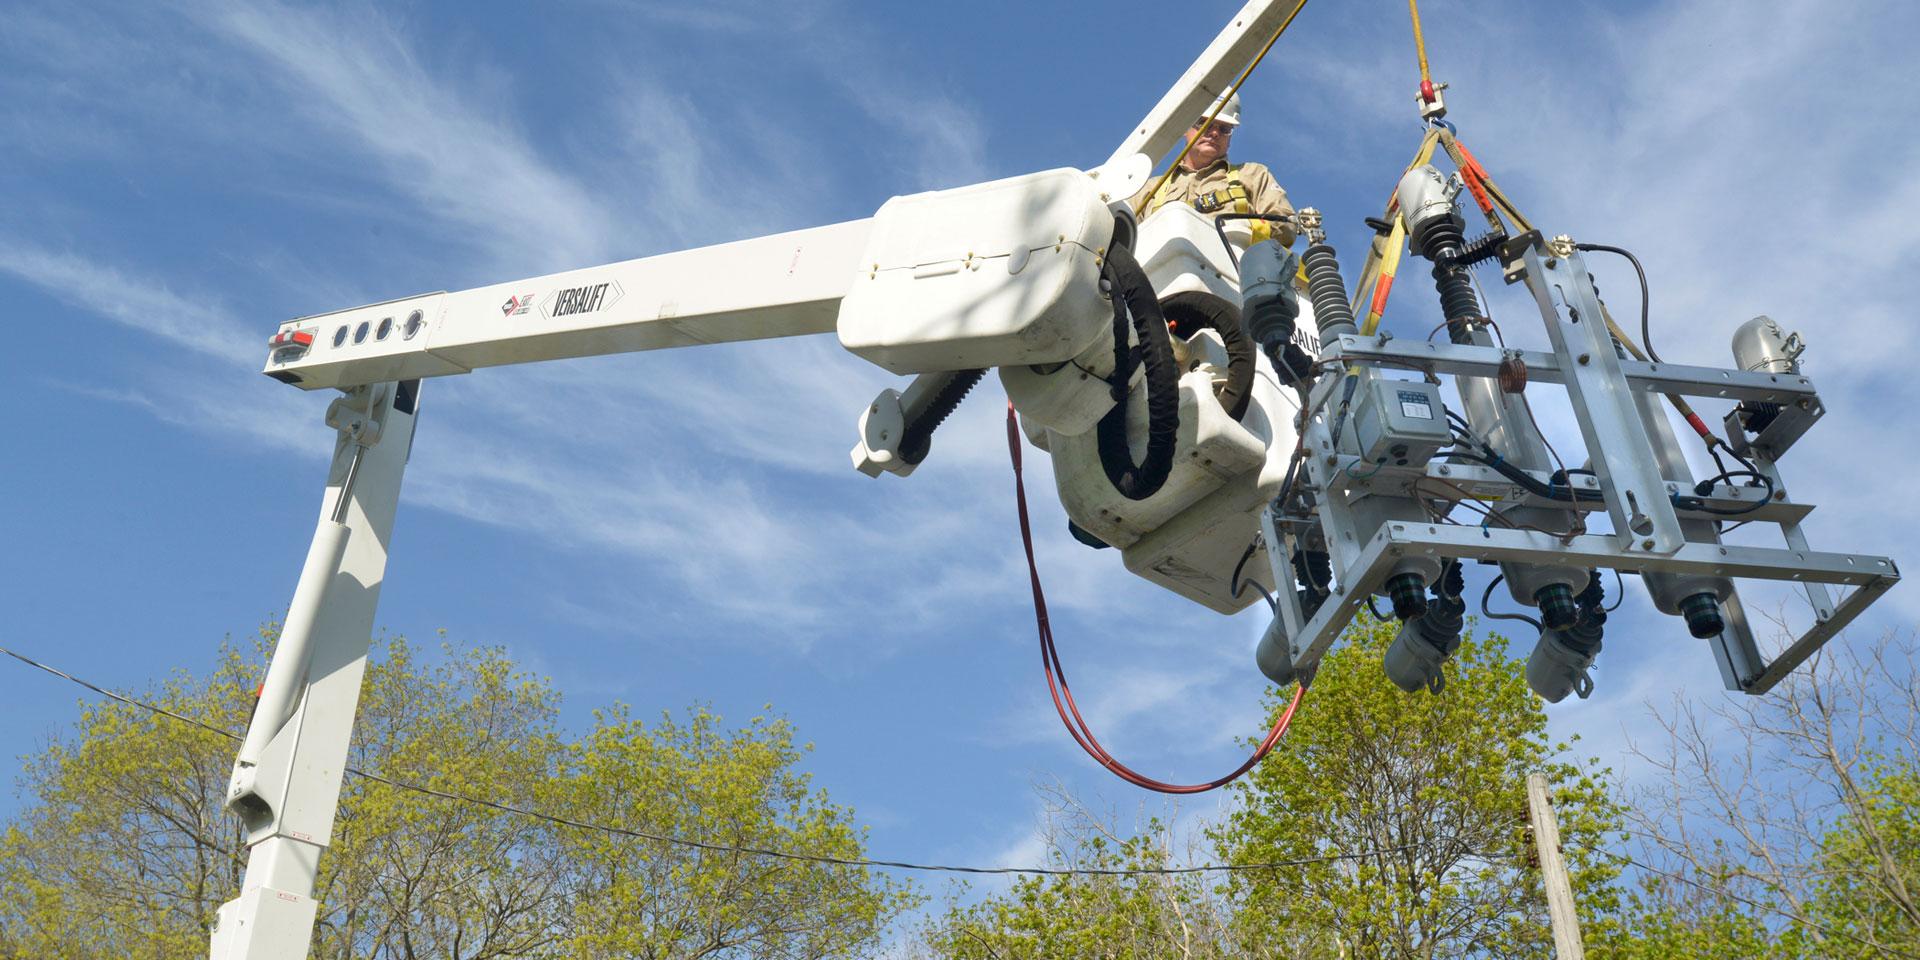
point(1194, 309)
point(1220, 227)
point(1528, 481)
point(1759, 478)
point(1646, 337)
point(1619, 590)
point(1504, 616)
point(1696, 503)
point(1240, 585)
point(1273, 606)
point(734, 848)
point(1346, 403)
point(1252, 547)
point(1374, 609)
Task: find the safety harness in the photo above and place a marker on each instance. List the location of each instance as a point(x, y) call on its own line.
point(1232, 198)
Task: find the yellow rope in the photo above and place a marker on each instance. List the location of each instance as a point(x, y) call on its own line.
point(1377, 254)
point(1464, 160)
point(1207, 124)
point(1419, 40)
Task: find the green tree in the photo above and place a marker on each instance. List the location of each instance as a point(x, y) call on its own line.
point(1871, 860)
point(122, 848)
point(1431, 789)
point(642, 898)
point(1093, 916)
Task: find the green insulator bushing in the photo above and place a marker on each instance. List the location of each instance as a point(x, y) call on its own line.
point(1702, 612)
point(1408, 592)
point(1557, 609)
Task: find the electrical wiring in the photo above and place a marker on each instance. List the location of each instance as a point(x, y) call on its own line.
point(729, 848)
point(1427, 506)
point(1056, 674)
point(1486, 612)
point(1646, 335)
point(1240, 585)
point(1253, 546)
point(1701, 488)
point(1532, 484)
point(1468, 500)
point(1272, 604)
point(1378, 466)
point(1579, 523)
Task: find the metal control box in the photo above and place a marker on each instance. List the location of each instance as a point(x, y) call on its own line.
point(1400, 423)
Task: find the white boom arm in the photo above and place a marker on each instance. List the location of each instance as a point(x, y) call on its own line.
point(784, 285)
point(286, 781)
point(287, 778)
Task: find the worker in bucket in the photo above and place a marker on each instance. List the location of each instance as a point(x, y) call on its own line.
point(1212, 185)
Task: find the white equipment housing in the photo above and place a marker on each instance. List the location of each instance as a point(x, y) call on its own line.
point(1191, 534)
point(997, 274)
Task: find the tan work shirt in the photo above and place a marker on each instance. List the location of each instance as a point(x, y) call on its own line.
point(1215, 184)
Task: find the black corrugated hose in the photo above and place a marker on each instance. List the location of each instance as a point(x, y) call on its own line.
point(1133, 297)
point(1187, 312)
point(918, 438)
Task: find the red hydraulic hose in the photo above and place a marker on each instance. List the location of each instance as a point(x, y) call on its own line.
point(1057, 675)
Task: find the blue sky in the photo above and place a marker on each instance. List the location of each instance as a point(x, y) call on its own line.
point(683, 526)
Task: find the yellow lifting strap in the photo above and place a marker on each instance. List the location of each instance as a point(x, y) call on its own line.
point(1383, 259)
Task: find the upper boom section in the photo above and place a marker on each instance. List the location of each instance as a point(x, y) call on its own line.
point(784, 285)
point(1216, 68)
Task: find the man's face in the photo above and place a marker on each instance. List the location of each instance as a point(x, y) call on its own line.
point(1208, 148)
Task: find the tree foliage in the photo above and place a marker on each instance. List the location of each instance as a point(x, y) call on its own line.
point(1429, 791)
point(122, 847)
point(1154, 915)
point(1786, 824)
point(1422, 798)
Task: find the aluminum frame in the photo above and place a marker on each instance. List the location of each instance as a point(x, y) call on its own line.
point(1602, 388)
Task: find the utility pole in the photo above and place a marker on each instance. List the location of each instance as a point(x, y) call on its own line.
point(1553, 870)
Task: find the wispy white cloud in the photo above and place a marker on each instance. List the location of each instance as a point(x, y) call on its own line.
point(357, 75)
point(195, 322)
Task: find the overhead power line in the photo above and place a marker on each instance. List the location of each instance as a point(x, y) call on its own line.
point(907, 864)
point(738, 848)
point(922, 867)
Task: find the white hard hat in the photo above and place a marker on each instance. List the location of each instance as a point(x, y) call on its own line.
point(1229, 114)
